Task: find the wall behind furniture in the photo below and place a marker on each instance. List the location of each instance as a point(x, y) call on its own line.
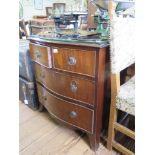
point(29, 9)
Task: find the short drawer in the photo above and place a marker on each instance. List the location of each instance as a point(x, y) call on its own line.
point(41, 55)
point(67, 112)
point(75, 60)
point(65, 85)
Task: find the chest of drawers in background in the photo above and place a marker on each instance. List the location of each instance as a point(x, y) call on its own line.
point(70, 84)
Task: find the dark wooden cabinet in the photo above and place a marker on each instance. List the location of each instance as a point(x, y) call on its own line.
point(71, 83)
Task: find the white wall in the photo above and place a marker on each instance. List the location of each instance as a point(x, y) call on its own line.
point(30, 11)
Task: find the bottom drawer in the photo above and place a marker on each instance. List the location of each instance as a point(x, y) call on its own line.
point(67, 112)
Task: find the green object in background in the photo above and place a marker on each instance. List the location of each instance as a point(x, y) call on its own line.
point(101, 17)
point(102, 21)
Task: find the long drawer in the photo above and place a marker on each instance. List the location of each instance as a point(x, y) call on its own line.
point(75, 60)
point(41, 54)
point(66, 85)
point(67, 112)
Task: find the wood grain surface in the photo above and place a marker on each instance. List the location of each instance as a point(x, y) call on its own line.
point(62, 110)
point(41, 54)
point(66, 85)
point(85, 60)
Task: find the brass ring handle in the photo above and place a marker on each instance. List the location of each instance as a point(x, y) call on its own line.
point(73, 86)
point(73, 114)
point(71, 61)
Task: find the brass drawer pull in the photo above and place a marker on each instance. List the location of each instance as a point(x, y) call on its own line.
point(73, 114)
point(73, 86)
point(37, 54)
point(71, 61)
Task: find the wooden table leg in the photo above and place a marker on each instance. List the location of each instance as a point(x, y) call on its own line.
point(94, 141)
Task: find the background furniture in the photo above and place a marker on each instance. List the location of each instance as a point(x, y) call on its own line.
point(122, 56)
point(91, 11)
point(27, 89)
point(22, 28)
point(41, 25)
point(71, 81)
point(39, 17)
point(59, 8)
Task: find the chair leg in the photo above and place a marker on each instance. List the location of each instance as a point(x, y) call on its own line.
point(115, 84)
point(111, 131)
point(94, 141)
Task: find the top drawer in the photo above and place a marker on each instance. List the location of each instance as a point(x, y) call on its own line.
point(75, 60)
point(41, 55)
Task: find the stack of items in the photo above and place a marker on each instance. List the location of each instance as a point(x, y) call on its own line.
point(27, 91)
point(41, 26)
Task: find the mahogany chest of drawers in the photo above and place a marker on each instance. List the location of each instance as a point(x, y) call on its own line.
point(70, 84)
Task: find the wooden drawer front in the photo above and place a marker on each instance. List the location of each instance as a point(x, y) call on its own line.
point(68, 86)
point(41, 55)
point(70, 113)
point(75, 60)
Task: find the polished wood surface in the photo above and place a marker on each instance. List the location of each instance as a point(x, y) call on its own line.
point(76, 44)
point(65, 85)
point(41, 54)
point(74, 85)
point(101, 78)
point(75, 60)
point(69, 112)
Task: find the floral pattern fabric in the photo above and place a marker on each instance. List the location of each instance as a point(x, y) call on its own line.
point(125, 99)
point(122, 36)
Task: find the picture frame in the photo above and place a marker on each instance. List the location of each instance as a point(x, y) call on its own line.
point(49, 11)
point(38, 4)
point(60, 7)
